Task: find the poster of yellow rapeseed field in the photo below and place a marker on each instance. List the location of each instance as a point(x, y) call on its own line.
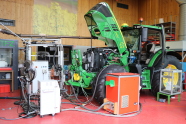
point(55, 17)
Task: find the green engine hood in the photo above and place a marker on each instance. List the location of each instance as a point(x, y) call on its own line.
point(102, 24)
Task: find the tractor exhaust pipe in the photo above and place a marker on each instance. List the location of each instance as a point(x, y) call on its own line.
point(182, 31)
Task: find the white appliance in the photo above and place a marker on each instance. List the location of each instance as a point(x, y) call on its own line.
point(50, 99)
point(3, 63)
point(41, 73)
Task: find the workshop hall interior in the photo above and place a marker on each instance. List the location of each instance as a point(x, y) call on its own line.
point(93, 61)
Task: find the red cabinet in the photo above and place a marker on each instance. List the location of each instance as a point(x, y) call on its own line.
point(122, 90)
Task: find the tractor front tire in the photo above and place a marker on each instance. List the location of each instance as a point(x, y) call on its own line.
point(98, 85)
point(168, 61)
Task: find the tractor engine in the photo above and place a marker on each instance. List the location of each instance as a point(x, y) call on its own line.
point(95, 59)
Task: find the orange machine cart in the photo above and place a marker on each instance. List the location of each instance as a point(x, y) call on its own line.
point(122, 90)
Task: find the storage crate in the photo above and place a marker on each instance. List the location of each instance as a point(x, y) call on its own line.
point(170, 81)
point(4, 88)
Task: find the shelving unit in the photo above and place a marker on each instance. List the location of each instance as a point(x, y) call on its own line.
point(170, 30)
point(9, 56)
point(9, 79)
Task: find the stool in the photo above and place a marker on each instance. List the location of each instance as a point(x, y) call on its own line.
point(168, 95)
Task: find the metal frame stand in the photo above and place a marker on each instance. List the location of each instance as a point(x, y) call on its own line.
point(47, 42)
point(169, 96)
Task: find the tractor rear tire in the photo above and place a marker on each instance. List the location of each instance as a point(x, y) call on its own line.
point(155, 85)
point(100, 80)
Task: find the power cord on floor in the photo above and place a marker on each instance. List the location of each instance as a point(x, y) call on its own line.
point(8, 108)
point(99, 113)
point(3, 118)
point(93, 110)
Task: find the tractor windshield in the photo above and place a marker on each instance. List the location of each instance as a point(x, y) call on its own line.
point(150, 45)
point(131, 38)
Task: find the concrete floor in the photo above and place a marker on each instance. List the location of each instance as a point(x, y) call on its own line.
point(153, 112)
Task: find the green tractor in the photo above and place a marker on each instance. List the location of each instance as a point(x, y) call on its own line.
point(139, 49)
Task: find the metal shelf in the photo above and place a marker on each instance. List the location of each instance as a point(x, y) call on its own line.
point(5, 79)
point(12, 79)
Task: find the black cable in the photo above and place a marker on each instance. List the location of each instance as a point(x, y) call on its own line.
point(31, 76)
point(28, 70)
point(75, 94)
point(10, 98)
point(3, 118)
point(54, 57)
point(120, 115)
point(29, 109)
point(66, 96)
point(85, 107)
point(30, 112)
point(94, 89)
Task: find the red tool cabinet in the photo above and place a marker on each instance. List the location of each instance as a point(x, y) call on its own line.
point(122, 89)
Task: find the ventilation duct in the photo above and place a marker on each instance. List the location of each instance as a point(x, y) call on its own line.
point(182, 33)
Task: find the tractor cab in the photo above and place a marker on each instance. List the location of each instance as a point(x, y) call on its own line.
point(142, 42)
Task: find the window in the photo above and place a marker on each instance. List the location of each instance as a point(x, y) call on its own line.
point(7, 22)
point(6, 57)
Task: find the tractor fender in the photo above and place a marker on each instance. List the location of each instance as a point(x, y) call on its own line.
point(173, 53)
point(157, 57)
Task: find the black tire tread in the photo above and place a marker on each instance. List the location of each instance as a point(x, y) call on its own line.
point(100, 88)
